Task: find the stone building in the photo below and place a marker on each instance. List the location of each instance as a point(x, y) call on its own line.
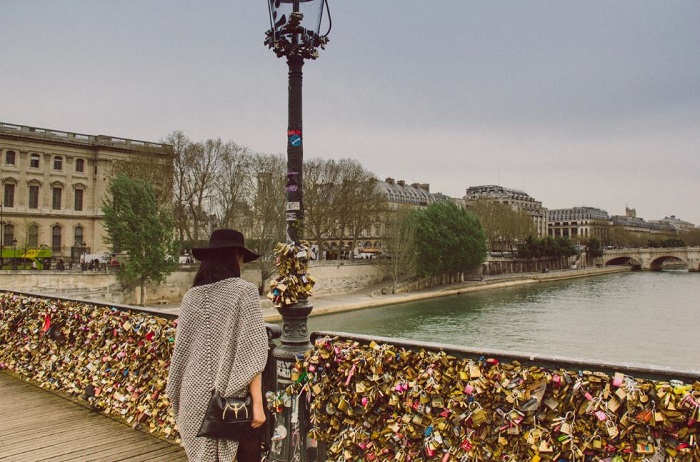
point(53, 184)
point(676, 224)
point(579, 223)
point(630, 225)
point(398, 196)
point(517, 200)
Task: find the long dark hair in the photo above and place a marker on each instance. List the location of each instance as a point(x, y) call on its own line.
point(222, 265)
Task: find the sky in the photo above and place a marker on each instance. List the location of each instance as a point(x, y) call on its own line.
point(593, 103)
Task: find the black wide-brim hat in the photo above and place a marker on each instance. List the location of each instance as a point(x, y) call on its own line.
point(224, 239)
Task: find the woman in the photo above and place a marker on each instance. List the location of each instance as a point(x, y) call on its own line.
point(220, 343)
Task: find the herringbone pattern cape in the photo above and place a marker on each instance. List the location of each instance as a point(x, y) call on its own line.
point(220, 342)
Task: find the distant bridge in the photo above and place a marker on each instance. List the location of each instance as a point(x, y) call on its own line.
point(651, 259)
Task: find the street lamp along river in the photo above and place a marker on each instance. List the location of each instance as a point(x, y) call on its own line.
point(294, 34)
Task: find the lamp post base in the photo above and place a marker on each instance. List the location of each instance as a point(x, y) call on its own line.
point(290, 441)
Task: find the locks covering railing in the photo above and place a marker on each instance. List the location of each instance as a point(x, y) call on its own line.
point(377, 398)
point(115, 357)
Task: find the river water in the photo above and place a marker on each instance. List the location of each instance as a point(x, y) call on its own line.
point(640, 318)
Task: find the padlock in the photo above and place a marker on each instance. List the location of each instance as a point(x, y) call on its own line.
point(478, 417)
point(612, 429)
point(545, 447)
point(597, 443)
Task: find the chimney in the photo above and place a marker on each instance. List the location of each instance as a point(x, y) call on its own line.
point(425, 187)
point(389, 180)
point(401, 183)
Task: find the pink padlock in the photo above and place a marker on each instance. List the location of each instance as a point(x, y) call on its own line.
point(556, 380)
point(468, 389)
point(617, 379)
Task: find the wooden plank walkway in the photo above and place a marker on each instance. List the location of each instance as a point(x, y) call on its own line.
point(37, 425)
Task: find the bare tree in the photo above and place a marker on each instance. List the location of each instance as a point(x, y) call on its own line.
point(341, 200)
point(361, 203)
point(182, 166)
point(322, 182)
point(232, 189)
point(267, 183)
point(153, 165)
point(503, 225)
point(201, 192)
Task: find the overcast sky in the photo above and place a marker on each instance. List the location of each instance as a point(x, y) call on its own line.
point(593, 103)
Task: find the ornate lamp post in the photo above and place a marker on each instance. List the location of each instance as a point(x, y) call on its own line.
point(294, 34)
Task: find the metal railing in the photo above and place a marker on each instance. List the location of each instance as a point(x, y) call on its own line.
point(526, 359)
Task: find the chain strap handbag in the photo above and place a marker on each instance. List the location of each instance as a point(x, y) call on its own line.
point(225, 418)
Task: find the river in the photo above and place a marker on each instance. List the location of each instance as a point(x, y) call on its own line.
point(640, 318)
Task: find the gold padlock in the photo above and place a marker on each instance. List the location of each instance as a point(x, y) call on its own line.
point(478, 417)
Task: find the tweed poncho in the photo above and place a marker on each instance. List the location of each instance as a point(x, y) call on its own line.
point(220, 343)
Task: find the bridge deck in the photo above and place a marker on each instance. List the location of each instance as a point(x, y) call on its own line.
point(37, 425)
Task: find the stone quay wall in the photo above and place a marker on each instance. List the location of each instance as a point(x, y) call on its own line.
point(332, 277)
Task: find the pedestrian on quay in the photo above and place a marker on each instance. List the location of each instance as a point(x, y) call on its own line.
point(220, 343)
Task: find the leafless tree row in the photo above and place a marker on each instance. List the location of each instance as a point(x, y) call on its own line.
point(222, 184)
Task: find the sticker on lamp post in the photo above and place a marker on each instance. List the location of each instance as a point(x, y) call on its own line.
point(294, 137)
point(293, 206)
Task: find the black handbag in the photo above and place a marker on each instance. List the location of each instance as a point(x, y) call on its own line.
point(227, 418)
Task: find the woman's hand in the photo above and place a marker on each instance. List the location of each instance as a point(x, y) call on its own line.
point(258, 415)
point(255, 388)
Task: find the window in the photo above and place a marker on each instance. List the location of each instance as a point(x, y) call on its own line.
point(56, 202)
point(9, 195)
point(8, 234)
point(80, 165)
point(33, 197)
point(58, 163)
point(78, 199)
point(33, 235)
point(34, 161)
point(56, 238)
point(10, 157)
point(78, 236)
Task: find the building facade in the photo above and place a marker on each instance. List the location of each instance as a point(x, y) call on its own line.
point(398, 196)
point(579, 223)
point(53, 184)
point(516, 200)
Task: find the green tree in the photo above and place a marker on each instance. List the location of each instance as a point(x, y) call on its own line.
point(138, 225)
point(448, 239)
point(400, 242)
point(547, 247)
point(594, 248)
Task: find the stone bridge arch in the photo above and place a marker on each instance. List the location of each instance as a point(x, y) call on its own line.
point(623, 261)
point(652, 258)
point(657, 262)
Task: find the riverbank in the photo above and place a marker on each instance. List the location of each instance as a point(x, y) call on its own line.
point(371, 297)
